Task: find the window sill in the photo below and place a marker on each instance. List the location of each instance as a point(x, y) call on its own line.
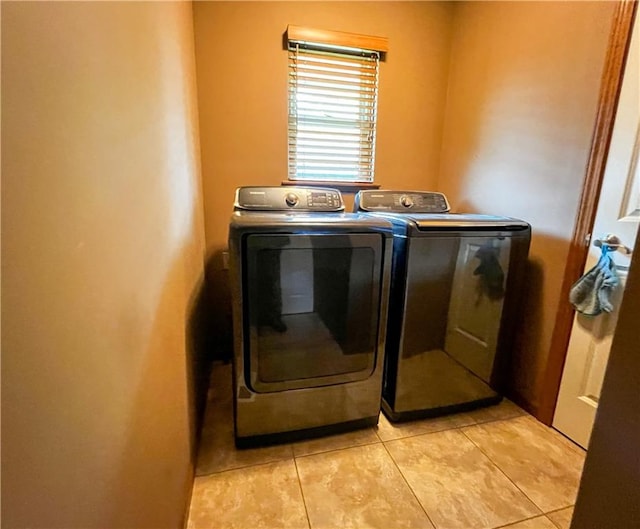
point(347, 187)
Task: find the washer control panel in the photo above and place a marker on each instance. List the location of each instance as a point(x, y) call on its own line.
point(402, 201)
point(288, 198)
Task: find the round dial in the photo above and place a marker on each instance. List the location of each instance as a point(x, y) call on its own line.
point(406, 201)
point(291, 199)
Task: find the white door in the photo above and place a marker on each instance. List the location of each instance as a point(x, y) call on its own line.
point(618, 213)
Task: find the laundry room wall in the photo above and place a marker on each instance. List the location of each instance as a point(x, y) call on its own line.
point(492, 103)
point(102, 258)
point(242, 98)
point(523, 88)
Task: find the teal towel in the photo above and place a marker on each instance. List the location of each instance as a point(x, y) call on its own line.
point(591, 294)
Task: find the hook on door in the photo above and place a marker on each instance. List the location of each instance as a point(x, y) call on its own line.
point(611, 242)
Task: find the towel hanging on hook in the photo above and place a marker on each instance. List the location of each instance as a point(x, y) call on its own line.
point(591, 294)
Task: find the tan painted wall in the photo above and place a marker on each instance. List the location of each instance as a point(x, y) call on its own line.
point(523, 88)
point(242, 101)
point(243, 120)
point(102, 251)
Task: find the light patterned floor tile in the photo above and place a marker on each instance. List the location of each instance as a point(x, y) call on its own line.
point(350, 481)
point(387, 430)
point(562, 518)
point(217, 450)
point(505, 409)
point(544, 465)
point(540, 522)
point(457, 484)
point(335, 442)
point(260, 497)
point(358, 488)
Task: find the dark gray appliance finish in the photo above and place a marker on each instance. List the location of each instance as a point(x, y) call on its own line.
point(320, 200)
point(310, 290)
point(456, 280)
point(401, 201)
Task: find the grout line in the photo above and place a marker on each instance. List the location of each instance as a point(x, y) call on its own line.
point(504, 473)
point(410, 488)
point(449, 428)
point(304, 502)
point(557, 510)
point(244, 467)
point(554, 523)
point(335, 449)
point(345, 447)
point(376, 428)
point(560, 509)
point(284, 458)
point(418, 434)
point(568, 441)
point(523, 520)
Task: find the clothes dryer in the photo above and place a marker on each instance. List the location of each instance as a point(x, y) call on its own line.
point(310, 288)
point(456, 291)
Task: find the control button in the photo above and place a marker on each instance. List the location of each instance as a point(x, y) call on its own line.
point(291, 199)
point(406, 201)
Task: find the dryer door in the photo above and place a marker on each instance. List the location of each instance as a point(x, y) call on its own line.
point(311, 309)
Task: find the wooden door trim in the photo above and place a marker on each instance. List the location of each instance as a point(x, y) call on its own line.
point(610, 85)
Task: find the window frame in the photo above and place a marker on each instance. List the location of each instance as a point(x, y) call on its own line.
point(347, 46)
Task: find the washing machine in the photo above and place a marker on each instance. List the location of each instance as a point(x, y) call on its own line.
point(310, 288)
point(456, 292)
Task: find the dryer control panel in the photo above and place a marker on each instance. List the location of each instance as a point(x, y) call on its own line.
point(288, 198)
point(401, 201)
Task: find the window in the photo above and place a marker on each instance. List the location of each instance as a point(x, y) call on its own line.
point(333, 97)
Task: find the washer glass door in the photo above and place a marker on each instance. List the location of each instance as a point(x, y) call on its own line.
point(311, 309)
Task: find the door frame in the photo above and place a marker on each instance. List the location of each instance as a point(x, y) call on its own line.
point(610, 84)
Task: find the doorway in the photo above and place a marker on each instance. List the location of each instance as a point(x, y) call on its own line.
point(615, 227)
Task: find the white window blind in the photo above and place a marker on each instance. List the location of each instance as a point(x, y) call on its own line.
point(333, 98)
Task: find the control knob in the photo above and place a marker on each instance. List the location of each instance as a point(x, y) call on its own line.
point(291, 199)
point(406, 201)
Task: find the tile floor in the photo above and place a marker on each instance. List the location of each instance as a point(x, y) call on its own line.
point(495, 467)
